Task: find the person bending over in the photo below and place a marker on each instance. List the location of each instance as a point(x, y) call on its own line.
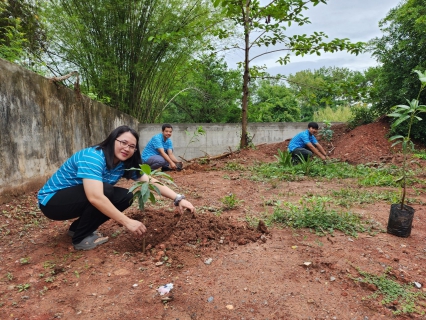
point(83, 188)
point(304, 144)
point(158, 153)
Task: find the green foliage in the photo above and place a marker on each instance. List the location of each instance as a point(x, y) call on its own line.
point(231, 201)
point(402, 298)
point(328, 93)
point(273, 102)
point(325, 132)
point(284, 158)
point(315, 213)
point(401, 49)
point(361, 114)
point(408, 113)
point(305, 165)
point(22, 35)
point(420, 155)
point(206, 91)
point(12, 39)
point(128, 52)
point(23, 287)
point(145, 190)
point(339, 114)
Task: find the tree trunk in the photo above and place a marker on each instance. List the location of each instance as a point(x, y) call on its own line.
point(246, 78)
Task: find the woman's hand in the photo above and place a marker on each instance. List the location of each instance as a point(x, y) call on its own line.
point(136, 227)
point(185, 204)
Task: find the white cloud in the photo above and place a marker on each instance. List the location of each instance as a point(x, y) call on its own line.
point(356, 20)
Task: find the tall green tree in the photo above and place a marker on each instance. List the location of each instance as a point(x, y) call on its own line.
point(206, 92)
point(400, 50)
point(274, 102)
point(22, 35)
point(127, 51)
point(265, 26)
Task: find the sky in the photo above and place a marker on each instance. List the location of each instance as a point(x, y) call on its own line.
point(357, 20)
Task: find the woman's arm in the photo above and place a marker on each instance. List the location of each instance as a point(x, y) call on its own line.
point(94, 191)
point(169, 193)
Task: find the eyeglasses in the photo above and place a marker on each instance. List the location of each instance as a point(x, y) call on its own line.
point(125, 144)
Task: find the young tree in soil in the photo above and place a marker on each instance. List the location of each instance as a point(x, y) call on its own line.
point(409, 113)
point(265, 25)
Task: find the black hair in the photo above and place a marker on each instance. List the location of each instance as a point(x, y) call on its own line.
point(166, 125)
point(108, 148)
point(313, 125)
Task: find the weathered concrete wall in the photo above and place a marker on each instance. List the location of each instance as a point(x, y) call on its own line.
point(220, 137)
point(42, 124)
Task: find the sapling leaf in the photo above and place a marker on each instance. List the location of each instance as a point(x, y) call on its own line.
point(400, 120)
point(422, 76)
point(396, 143)
point(394, 114)
point(396, 137)
point(152, 198)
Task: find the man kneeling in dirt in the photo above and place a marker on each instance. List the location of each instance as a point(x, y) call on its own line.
point(158, 152)
point(305, 143)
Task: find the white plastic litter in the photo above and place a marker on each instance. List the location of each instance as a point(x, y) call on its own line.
point(165, 289)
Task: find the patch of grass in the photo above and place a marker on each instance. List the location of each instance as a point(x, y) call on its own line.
point(234, 166)
point(231, 201)
point(400, 298)
point(378, 178)
point(350, 196)
point(420, 154)
point(315, 213)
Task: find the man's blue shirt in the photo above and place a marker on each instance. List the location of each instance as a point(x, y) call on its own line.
point(88, 163)
point(301, 140)
point(156, 142)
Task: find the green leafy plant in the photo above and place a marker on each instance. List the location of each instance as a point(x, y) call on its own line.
point(145, 190)
point(194, 136)
point(325, 132)
point(231, 201)
point(409, 113)
point(284, 158)
point(305, 165)
point(23, 287)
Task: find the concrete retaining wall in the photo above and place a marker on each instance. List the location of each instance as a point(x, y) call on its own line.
point(43, 123)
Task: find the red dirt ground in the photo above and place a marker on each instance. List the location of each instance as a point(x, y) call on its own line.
point(221, 266)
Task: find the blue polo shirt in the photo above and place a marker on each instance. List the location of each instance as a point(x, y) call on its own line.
point(156, 142)
point(301, 140)
point(88, 163)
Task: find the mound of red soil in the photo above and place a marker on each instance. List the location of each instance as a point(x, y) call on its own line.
point(367, 143)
